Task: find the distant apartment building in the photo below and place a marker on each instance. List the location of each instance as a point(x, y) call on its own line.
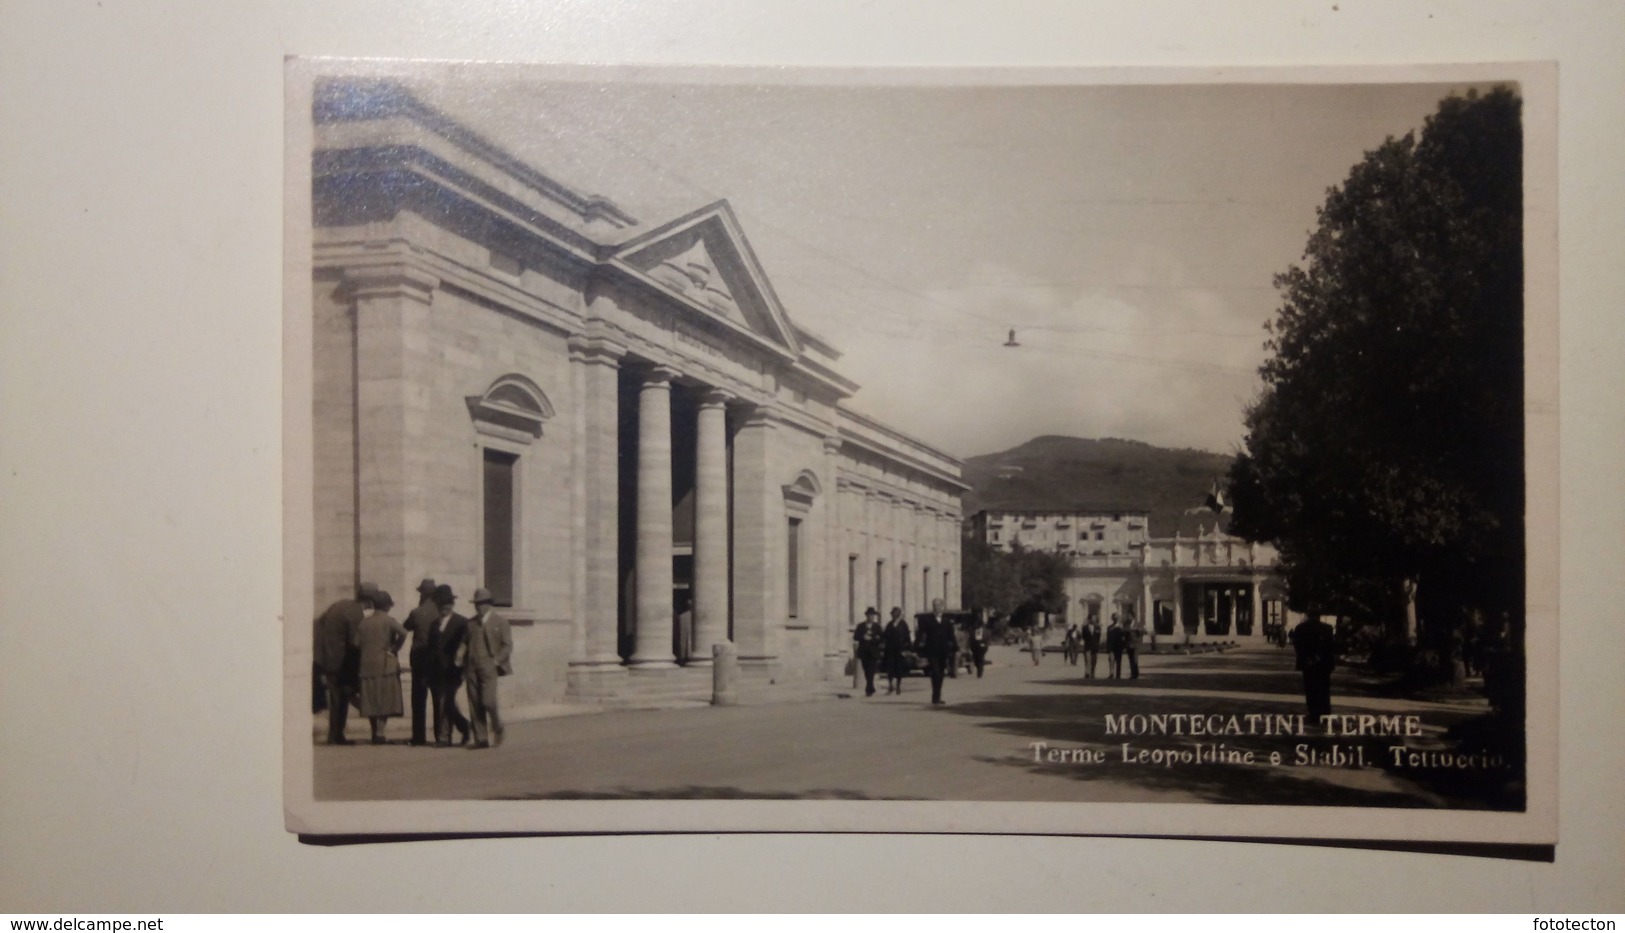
point(1102, 532)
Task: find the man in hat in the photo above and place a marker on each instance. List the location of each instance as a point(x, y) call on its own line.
point(424, 656)
point(338, 647)
point(446, 674)
point(866, 643)
point(490, 649)
point(1315, 644)
point(938, 642)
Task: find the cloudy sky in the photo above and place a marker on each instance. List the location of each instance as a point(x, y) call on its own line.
point(1128, 234)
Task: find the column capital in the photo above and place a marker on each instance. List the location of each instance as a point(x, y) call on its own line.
point(595, 349)
point(713, 397)
point(657, 374)
point(391, 280)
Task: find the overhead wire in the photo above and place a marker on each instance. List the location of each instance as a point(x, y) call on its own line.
point(908, 324)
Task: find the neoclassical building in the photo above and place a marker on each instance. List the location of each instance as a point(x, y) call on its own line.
point(613, 425)
point(1201, 583)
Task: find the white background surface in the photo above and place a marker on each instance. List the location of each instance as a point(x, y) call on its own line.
point(140, 463)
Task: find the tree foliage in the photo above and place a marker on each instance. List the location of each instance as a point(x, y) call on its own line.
point(1386, 449)
point(1014, 582)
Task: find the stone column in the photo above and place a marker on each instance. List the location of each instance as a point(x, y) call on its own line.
point(710, 528)
point(759, 542)
point(1258, 607)
point(653, 597)
point(1146, 618)
point(394, 540)
point(596, 363)
point(1180, 631)
point(837, 642)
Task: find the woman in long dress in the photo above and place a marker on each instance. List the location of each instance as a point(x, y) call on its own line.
point(381, 638)
point(894, 640)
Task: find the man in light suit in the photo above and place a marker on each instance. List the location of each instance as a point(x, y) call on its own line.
point(488, 657)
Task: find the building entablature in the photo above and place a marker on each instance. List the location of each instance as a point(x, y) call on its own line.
point(689, 290)
point(377, 127)
point(925, 500)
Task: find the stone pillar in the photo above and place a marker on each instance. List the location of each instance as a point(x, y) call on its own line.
point(1146, 618)
point(1258, 608)
point(710, 528)
point(653, 597)
point(758, 541)
point(837, 643)
point(596, 365)
point(1180, 632)
point(394, 540)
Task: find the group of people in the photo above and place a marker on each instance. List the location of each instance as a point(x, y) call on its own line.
point(934, 638)
point(1122, 639)
point(358, 645)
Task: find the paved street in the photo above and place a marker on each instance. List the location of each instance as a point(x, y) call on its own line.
point(976, 748)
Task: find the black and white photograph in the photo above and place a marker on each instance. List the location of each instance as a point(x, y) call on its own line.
point(1140, 452)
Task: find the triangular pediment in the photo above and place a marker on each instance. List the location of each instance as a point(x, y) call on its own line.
point(704, 259)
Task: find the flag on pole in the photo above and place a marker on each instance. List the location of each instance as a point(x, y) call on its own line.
point(1215, 497)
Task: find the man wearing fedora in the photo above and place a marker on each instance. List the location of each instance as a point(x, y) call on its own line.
point(446, 669)
point(338, 656)
point(866, 647)
point(490, 649)
point(424, 657)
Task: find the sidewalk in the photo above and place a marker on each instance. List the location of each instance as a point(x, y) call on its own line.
point(978, 747)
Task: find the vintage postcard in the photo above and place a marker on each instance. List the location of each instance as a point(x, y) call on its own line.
point(1148, 452)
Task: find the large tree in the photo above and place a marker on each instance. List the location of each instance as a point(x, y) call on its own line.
point(1018, 581)
point(1384, 455)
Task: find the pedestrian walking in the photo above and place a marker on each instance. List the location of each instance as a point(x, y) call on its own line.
point(1133, 633)
point(978, 646)
point(489, 649)
point(937, 641)
point(423, 660)
point(1035, 643)
point(1116, 644)
point(1070, 645)
point(896, 640)
point(1316, 645)
point(1091, 645)
point(380, 641)
point(446, 677)
point(867, 641)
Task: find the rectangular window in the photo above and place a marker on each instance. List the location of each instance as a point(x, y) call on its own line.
point(880, 587)
point(499, 505)
point(793, 570)
point(902, 588)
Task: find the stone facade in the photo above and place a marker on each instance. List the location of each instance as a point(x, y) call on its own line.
point(1212, 586)
point(1096, 532)
point(615, 426)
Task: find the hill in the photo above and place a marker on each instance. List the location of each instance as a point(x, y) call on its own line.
point(1063, 473)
